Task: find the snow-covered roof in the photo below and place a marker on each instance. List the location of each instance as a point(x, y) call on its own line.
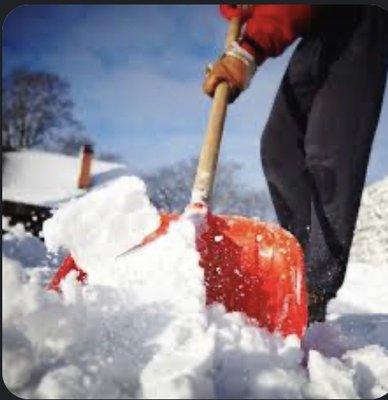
point(48, 179)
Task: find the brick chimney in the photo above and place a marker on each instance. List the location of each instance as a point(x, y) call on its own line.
point(86, 156)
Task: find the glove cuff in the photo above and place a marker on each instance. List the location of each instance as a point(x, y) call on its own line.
point(236, 51)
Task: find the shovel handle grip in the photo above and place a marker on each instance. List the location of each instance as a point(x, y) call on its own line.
point(207, 164)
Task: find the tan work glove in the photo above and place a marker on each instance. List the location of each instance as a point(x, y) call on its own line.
point(236, 67)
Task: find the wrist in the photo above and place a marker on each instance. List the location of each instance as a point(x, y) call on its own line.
point(237, 51)
point(249, 45)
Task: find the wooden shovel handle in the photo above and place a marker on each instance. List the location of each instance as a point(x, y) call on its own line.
point(204, 178)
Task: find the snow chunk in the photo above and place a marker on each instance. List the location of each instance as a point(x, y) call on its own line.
point(330, 379)
point(103, 224)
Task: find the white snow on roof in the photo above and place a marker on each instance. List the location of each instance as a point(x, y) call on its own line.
point(47, 179)
point(370, 243)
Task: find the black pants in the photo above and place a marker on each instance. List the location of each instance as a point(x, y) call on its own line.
point(316, 144)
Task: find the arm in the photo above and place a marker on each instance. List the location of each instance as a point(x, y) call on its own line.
point(268, 30)
point(271, 28)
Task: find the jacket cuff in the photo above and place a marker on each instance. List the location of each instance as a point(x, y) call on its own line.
point(253, 48)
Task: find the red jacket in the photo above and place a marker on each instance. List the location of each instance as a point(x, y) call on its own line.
point(271, 28)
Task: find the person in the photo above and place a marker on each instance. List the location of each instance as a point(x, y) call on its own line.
point(316, 143)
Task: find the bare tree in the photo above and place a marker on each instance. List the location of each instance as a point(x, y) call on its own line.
point(109, 156)
point(70, 144)
point(169, 189)
point(35, 106)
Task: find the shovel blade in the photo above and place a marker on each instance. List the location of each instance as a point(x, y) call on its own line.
point(249, 266)
point(255, 268)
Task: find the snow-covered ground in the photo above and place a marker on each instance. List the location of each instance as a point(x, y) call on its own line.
point(140, 328)
point(370, 243)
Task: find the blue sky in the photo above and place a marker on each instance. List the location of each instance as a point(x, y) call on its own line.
point(136, 74)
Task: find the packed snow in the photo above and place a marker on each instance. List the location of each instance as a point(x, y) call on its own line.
point(140, 327)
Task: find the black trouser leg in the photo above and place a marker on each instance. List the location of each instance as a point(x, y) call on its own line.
point(283, 163)
point(316, 144)
point(339, 135)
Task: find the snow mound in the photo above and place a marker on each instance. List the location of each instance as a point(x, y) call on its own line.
point(141, 329)
point(370, 243)
point(23, 246)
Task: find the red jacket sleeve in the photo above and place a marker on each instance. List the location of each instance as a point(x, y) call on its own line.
point(271, 28)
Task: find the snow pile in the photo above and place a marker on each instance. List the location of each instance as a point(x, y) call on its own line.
point(140, 328)
point(27, 249)
point(103, 224)
point(370, 243)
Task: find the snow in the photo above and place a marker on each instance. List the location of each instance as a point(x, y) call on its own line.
point(140, 327)
point(47, 179)
point(24, 247)
point(370, 243)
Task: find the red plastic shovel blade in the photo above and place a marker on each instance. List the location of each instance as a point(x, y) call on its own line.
point(256, 268)
point(250, 266)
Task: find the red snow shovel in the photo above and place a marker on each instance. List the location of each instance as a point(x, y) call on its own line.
point(249, 266)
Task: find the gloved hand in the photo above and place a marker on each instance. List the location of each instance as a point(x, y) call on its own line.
point(236, 67)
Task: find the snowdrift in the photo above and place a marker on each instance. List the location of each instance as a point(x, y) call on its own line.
point(140, 328)
point(370, 243)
